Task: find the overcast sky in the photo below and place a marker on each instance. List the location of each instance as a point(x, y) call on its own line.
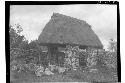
point(33, 18)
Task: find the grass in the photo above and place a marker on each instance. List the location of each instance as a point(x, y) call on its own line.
point(101, 75)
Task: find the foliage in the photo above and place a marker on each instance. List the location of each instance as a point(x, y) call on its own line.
point(15, 41)
point(15, 38)
point(108, 59)
point(111, 59)
point(112, 45)
point(20, 50)
point(92, 57)
point(72, 56)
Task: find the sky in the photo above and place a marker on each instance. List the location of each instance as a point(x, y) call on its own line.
point(33, 18)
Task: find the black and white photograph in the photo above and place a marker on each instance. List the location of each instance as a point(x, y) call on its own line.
point(63, 43)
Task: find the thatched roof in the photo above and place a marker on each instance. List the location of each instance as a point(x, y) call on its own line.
point(63, 29)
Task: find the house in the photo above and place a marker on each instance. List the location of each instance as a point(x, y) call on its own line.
point(64, 30)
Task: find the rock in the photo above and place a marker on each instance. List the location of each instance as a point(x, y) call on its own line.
point(61, 69)
point(52, 67)
point(39, 71)
point(48, 72)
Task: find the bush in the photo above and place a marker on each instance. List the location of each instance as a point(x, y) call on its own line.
point(108, 59)
point(111, 59)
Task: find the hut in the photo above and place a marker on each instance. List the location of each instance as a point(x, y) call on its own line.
point(64, 30)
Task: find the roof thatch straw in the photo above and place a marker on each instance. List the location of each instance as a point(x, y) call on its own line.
point(63, 29)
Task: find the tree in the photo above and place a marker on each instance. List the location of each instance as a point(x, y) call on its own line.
point(17, 41)
point(112, 45)
point(110, 57)
point(15, 38)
